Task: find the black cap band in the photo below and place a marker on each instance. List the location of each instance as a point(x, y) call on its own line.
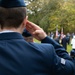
point(12, 3)
point(26, 33)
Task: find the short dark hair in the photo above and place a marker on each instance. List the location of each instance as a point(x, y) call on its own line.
point(12, 17)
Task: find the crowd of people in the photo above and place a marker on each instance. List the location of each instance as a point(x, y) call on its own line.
point(64, 40)
point(19, 57)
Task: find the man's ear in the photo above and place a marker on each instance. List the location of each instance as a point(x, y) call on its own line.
point(25, 21)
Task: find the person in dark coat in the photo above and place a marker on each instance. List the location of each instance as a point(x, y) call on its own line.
point(68, 38)
point(18, 57)
point(57, 40)
point(64, 42)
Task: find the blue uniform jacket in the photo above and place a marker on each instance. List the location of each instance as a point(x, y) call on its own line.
point(18, 57)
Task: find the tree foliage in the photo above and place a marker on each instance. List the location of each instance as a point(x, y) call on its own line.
point(49, 13)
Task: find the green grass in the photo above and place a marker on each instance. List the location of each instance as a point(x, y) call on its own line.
point(35, 40)
point(69, 48)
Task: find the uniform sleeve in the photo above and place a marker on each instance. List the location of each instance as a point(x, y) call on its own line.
point(60, 51)
point(60, 66)
point(63, 66)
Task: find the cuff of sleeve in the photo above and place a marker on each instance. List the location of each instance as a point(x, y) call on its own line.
point(45, 40)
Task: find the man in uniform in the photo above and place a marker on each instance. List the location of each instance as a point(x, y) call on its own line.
point(18, 57)
point(27, 36)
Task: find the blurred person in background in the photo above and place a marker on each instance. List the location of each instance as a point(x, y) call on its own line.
point(64, 42)
point(27, 36)
point(72, 53)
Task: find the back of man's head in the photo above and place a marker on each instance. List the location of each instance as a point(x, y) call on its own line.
point(12, 13)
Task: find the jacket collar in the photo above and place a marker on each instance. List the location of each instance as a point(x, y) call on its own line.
point(11, 35)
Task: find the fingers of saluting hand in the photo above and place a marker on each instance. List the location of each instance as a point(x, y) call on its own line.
point(32, 25)
point(30, 29)
point(35, 30)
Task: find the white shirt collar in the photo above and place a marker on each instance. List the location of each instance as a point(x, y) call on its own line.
point(6, 31)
